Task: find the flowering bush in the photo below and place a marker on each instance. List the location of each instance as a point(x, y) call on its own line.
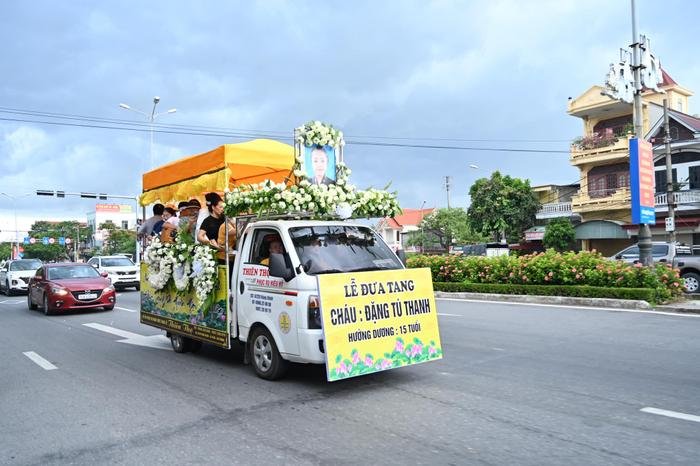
point(552, 268)
point(594, 142)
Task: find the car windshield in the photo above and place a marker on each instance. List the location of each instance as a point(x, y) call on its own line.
point(25, 265)
point(116, 262)
point(340, 248)
point(72, 271)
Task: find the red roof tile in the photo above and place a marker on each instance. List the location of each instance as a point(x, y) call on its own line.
point(667, 80)
point(408, 217)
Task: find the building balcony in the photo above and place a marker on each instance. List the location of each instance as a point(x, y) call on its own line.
point(554, 210)
point(683, 200)
point(618, 150)
point(608, 199)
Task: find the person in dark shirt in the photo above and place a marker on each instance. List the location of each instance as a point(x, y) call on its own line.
point(209, 230)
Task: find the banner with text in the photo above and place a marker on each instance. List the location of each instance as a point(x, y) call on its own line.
point(181, 312)
point(374, 321)
point(642, 181)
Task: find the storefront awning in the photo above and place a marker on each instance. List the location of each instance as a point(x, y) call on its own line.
point(600, 229)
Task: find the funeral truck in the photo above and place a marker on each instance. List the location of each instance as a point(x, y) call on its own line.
point(291, 290)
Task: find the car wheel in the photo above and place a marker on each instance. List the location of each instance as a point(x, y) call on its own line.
point(267, 361)
point(692, 282)
point(137, 287)
point(8, 290)
point(30, 303)
point(179, 343)
point(46, 309)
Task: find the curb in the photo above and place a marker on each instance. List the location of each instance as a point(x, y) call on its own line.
point(682, 307)
point(559, 300)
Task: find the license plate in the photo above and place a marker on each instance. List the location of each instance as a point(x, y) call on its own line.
point(87, 296)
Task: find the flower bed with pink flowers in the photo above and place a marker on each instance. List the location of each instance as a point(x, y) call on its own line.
point(583, 269)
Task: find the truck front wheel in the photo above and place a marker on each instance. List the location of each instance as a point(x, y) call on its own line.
point(267, 361)
point(692, 282)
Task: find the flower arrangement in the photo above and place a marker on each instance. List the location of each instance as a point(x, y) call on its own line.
point(341, 199)
point(160, 259)
point(316, 133)
point(204, 271)
point(188, 265)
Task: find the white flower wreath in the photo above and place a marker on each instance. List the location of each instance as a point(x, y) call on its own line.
point(204, 271)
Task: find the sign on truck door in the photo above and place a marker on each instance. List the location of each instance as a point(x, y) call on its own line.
point(264, 298)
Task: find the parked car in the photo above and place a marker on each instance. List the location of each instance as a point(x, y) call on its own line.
point(120, 269)
point(15, 275)
point(660, 252)
point(70, 285)
point(689, 267)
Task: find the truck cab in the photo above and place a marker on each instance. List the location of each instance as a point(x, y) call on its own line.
point(276, 299)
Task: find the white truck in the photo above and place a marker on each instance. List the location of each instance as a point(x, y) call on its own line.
point(274, 310)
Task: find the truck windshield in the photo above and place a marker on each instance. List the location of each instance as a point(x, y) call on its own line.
point(340, 248)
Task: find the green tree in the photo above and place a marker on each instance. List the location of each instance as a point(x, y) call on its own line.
point(5, 250)
point(559, 235)
point(55, 230)
point(442, 228)
point(119, 241)
point(501, 206)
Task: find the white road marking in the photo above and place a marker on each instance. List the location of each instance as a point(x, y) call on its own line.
point(450, 315)
point(131, 338)
point(12, 301)
point(125, 309)
point(674, 414)
point(41, 362)
point(564, 306)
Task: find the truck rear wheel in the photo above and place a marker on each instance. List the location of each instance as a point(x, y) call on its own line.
point(266, 359)
point(692, 282)
point(179, 343)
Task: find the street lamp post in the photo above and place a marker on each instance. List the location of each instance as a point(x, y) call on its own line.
point(14, 209)
point(151, 118)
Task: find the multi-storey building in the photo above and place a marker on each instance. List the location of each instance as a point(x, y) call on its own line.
point(602, 156)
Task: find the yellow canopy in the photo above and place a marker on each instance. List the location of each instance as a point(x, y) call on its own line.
point(215, 171)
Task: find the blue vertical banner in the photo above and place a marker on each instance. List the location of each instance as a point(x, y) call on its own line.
point(26, 240)
point(61, 240)
point(45, 240)
point(642, 182)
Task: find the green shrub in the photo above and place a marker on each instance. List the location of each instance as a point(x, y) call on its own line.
point(552, 268)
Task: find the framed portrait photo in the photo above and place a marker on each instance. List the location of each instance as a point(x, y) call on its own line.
point(320, 164)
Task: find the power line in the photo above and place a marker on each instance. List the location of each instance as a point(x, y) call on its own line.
point(126, 125)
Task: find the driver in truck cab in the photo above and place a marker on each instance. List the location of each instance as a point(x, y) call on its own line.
point(274, 247)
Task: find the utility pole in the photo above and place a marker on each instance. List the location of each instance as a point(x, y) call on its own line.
point(644, 235)
point(671, 219)
point(447, 188)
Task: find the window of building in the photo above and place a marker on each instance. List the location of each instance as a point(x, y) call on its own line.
point(660, 179)
point(679, 105)
point(125, 224)
point(694, 177)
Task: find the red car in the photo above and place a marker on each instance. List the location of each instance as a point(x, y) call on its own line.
point(69, 285)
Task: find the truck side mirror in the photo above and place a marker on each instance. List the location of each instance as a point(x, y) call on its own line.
point(279, 267)
point(618, 257)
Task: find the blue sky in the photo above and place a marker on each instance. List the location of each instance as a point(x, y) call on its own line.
point(481, 74)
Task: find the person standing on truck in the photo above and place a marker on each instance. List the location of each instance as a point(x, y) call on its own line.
point(146, 228)
point(208, 232)
point(221, 240)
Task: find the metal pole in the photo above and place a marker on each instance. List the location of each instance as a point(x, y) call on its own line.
point(16, 239)
point(447, 188)
point(669, 175)
point(644, 235)
point(77, 240)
